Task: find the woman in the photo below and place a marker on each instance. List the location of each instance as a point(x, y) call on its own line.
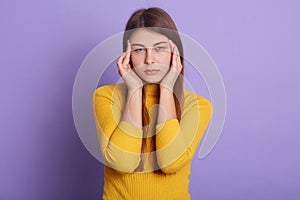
point(149, 127)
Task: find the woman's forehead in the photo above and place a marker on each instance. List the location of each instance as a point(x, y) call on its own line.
point(147, 37)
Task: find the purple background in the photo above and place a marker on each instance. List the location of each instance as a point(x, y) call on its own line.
point(255, 44)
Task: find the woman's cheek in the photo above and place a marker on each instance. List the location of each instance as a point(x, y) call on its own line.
point(136, 60)
point(166, 60)
point(133, 60)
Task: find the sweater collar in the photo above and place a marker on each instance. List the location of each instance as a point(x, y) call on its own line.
point(152, 90)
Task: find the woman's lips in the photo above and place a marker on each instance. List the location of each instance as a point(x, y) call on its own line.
point(151, 71)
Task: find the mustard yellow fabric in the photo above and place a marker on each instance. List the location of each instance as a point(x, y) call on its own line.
point(121, 143)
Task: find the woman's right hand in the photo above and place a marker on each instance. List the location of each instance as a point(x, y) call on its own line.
point(133, 82)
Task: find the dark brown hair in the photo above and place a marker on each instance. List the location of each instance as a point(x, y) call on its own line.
point(160, 22)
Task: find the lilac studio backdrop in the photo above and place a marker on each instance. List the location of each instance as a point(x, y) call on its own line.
point(255, 45)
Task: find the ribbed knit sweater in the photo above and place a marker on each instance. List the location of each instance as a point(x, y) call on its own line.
point(121, 143)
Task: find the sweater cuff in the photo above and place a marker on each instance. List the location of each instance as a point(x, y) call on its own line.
point(166, 132)
point(130, 130)
point(127, 137)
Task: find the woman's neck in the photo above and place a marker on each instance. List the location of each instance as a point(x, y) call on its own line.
point(152, 89)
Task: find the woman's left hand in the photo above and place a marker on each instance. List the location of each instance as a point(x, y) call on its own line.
point(175, 68)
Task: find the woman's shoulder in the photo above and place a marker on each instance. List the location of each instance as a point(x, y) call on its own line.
point(191, 98)
point(111, 89)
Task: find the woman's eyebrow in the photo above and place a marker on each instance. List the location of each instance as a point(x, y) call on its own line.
point(137, 45)
point(162, 42)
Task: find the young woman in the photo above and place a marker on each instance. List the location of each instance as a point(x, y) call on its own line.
point(149, 127)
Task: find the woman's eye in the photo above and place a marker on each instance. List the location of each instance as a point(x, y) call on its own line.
point(139, 50)
point(160, 48)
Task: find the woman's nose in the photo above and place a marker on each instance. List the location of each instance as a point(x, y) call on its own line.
point(149, 56)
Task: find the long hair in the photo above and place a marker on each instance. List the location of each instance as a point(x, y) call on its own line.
point(162, 23)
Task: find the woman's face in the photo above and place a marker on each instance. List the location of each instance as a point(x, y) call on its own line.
point(150, 55)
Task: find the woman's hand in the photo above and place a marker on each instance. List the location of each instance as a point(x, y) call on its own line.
point(175, 68)
point(133, 82)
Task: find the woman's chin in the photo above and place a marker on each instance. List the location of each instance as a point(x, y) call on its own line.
point(149, 81)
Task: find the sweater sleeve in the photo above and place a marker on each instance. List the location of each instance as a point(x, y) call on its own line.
point(120, 142)
point(176, 143)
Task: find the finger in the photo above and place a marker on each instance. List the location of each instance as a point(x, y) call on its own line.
point(174, 48)
point(174, 60)
point(176, 57)
point(127, 57)
point(121, 68)
point(128, 48)
point(179, 62)
point(179, 66)
point(120, 60)
point(176, 51)
point(172, 45)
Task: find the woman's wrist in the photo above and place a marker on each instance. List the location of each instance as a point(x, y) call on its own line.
point(135, 91)
point(166, 88)
point(133, 108)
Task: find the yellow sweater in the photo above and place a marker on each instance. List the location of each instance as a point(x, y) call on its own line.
point(121, 143)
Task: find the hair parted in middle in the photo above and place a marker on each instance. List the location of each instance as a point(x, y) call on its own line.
point(159, 21)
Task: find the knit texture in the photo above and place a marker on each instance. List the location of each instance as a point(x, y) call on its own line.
point(121, 143)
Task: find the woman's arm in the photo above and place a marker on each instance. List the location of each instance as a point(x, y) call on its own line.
point(132, 113)
point(120, 141)
point(133, 108)
point(176, 143)
point(167, 108)
point(119, 124)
